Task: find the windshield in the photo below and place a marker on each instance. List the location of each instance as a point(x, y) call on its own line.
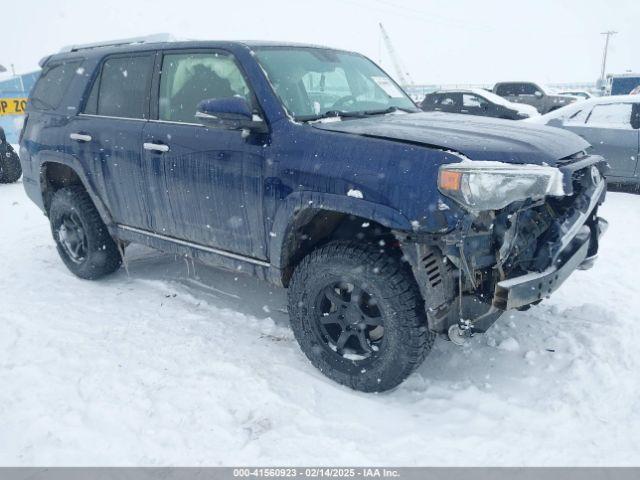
point(313, 83)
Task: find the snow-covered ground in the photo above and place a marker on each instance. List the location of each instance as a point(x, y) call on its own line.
point(176, 363)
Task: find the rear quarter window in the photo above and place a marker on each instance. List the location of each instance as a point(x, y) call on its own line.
point(53, 83)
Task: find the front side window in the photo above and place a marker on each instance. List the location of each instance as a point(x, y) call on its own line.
point(189, 78)
point(449, 99)
point(430, 100)
point(313, 83)
point(122, 89)
point(612, 115)
point(53, 83)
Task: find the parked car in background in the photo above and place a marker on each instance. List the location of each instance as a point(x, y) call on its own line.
point(10, 169)
point(476, 101)
point(544, 99)
point(611, 125)
point(579, 94)
point(311, 168)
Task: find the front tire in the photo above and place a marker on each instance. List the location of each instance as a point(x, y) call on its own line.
point(82, 238)
point(10, 168)
point(358, 316)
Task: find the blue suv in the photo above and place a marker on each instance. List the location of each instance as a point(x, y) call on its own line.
point(312, 169)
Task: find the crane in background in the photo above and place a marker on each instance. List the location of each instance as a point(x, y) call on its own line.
point(403, 76)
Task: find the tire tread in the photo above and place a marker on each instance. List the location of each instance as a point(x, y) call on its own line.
point(103, 257)
point(402, 291)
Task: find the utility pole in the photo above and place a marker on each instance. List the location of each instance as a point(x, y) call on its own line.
point(603, 71)
point(13, 71)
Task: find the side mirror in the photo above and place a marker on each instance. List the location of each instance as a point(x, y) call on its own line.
point(555, 122)
point(538, 93)
point(231, 113)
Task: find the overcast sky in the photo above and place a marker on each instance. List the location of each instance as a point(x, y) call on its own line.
point(438, 41)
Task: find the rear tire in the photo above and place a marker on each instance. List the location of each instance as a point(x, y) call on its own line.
point(82, 238)
point(10, 168)
point(358, 316)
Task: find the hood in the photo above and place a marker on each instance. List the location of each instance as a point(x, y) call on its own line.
point(478, 138)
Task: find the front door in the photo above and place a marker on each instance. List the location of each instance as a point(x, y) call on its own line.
point(206, 181)
point(608, 129)
point(107, 136)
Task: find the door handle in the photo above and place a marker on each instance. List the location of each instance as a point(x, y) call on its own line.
point(156, 147)
point(80, 137)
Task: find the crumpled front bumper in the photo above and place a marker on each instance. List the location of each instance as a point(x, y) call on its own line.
point(577, 249)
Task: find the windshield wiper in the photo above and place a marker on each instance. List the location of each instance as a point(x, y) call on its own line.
point(391, 109)
point(331, 114)
point(356, 114)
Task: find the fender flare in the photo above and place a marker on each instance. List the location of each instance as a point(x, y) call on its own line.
point(75, 165)
point(298, 202)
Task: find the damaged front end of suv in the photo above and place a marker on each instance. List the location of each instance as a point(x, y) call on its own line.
point(523, 231)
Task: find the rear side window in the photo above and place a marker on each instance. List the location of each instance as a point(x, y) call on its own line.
point(122, 88)
point(515, 89)
point(449, 99)
point(53, 83)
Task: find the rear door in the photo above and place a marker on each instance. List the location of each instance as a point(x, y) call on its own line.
point(608, 129)
point(208, 181)
point(107, 136)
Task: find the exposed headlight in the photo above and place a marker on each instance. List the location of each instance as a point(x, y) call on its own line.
point(480, 186)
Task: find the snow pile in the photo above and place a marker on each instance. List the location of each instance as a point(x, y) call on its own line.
point(180, 364)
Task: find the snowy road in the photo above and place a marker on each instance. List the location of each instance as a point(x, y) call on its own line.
point(180, 364)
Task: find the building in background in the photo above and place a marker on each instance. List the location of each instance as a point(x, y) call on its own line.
point(13, 98)
point(622, 84)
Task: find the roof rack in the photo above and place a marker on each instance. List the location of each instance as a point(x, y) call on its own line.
point(155, 38)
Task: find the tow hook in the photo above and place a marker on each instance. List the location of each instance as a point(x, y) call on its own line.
point(460, 332)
